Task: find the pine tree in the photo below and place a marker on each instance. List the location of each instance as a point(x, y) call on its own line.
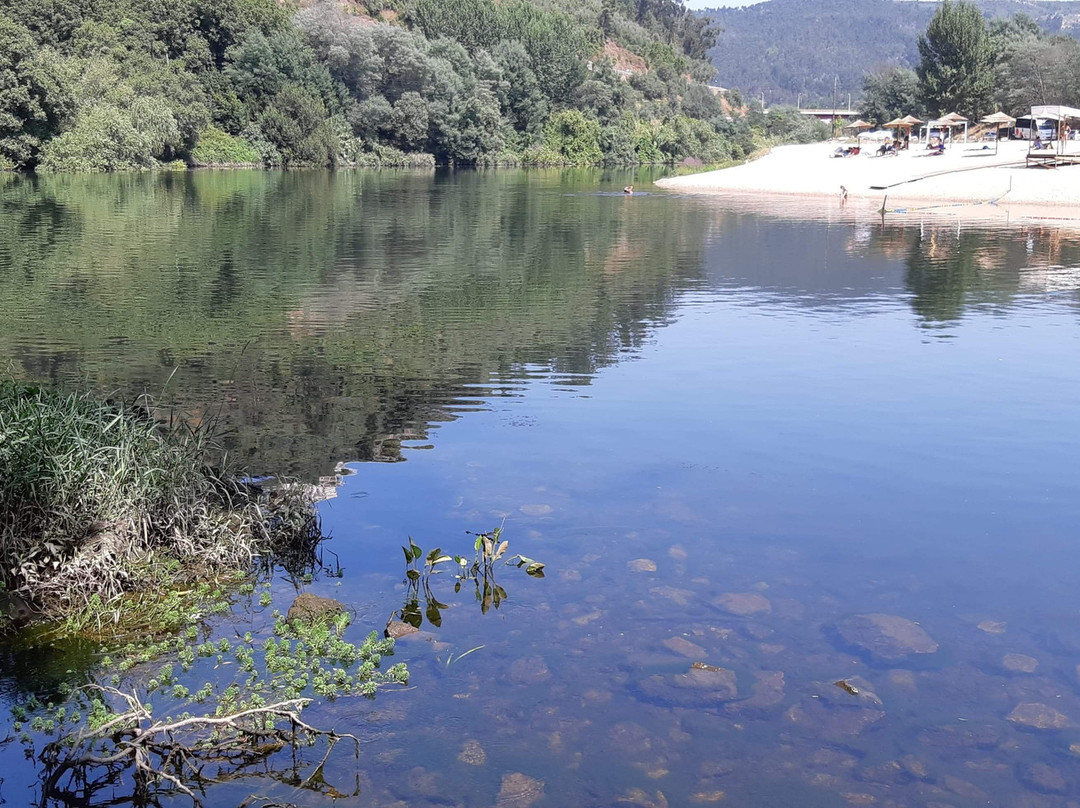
point(956, 71)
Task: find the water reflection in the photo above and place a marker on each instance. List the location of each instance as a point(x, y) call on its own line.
point(329, 315)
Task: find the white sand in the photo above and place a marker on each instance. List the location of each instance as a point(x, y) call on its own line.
point(965, 173)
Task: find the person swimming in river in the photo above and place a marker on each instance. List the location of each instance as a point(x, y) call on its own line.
point(629, 189)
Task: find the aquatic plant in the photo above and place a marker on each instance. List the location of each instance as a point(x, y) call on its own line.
point(99, 500)
point(102, 733)
point(480, 572)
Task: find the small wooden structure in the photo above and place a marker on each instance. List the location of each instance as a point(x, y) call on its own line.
point(1059, 154)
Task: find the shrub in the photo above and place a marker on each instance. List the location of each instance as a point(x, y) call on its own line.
point(573, 136)
point(218, 148)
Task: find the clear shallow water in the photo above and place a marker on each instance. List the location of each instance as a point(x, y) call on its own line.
point(836, 415)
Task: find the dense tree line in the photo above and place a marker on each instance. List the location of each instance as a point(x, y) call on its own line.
point(91, 85)
point(974, 66)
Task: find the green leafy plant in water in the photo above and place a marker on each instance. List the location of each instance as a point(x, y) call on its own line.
point(489, 548)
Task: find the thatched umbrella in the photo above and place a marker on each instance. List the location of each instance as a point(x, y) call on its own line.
point(901, 123)
point(998, 118)
point(859, 125)
point(955, 119)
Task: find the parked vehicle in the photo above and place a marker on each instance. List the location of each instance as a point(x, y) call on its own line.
point(1028, 128)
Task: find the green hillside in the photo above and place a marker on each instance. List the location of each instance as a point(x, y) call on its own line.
point(801, 50)
point(97, 85)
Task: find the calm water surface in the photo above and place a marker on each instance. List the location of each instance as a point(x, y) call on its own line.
point(728, 431)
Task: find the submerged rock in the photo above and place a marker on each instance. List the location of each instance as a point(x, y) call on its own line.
point(519, 791)
point(767, 691)
point(641, 799)
point(683, 647)
point(472, 753)
point(886, 636)
point(1019, 663)
point(743, 604)
point(992, 626)
point(1045, 778)
point(641, 565)
point(1038, 716)
point(701, 686)
point(309, 608)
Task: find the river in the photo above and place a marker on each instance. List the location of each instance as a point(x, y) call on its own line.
point(833, 458)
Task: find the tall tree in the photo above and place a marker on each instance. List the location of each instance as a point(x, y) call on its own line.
point(890, 94)
point(956, 70)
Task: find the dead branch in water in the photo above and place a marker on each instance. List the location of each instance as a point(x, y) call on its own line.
point(174, 753)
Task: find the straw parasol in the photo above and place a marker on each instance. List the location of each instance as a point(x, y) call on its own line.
point(859, 124)
point(904, 123)
point(998, 118)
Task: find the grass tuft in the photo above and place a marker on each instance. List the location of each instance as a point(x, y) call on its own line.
point(97, 499)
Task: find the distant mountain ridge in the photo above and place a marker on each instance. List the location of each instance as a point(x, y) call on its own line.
point(801, 50)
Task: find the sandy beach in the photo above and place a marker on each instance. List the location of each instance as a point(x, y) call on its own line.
point(966, 173)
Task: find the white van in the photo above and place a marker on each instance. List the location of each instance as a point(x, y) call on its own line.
point(1027, 128)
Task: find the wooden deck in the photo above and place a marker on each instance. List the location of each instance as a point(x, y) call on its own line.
point(1049, 158)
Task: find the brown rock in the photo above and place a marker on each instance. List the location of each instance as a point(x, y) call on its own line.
point(1038, 716)
point(1045, 778)
point(519, 791)
point(743, 603)
point(992, 627)
point(641, 565)
point(886, 636)
point(1019, 663)
point(309, 608)
point(396, 629)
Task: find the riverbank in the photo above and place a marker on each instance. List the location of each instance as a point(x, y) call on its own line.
point(966, 173)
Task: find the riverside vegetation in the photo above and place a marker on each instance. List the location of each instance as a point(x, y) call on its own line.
point(97, 85)
point(115, 527)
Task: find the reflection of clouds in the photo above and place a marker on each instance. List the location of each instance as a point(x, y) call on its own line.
point(1049, 279)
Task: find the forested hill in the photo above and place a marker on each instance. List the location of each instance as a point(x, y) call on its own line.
point(91, 85)
point(788, 48)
